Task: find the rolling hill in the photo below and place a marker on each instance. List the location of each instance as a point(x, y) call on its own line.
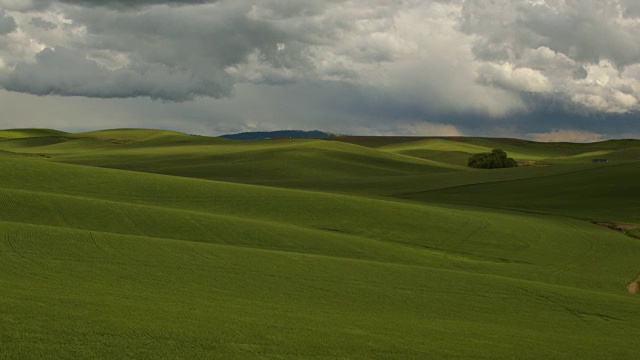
point(147, 244)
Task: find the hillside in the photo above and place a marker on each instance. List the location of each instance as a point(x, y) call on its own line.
point(142, 243)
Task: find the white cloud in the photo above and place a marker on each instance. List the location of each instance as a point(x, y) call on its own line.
point(516, 79)
point(606, 89)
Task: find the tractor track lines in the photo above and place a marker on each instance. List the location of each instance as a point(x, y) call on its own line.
point(95, 243)
point(13, 248)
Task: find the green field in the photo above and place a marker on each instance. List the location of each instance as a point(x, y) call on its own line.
point(146, 244)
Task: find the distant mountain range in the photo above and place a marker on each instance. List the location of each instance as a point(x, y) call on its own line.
point(293, 134)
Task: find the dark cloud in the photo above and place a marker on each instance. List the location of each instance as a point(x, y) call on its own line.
point(174, 54)
point(631, 8)
point(132, 3)
point(40, 5)
point(7, 23)
point(24, 5)
point(67, 72)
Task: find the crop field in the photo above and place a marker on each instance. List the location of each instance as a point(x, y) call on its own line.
point(147, 244)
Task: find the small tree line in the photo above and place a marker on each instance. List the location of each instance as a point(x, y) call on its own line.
point(495, 159)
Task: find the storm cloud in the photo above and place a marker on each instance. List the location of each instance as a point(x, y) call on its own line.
point(132, 3)
point(30, 5)
point(432, 65)
point(7, 23)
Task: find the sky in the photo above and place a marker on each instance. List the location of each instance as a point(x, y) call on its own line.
point(547, 70)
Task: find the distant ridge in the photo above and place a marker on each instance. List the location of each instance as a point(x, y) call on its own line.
point(293, 134)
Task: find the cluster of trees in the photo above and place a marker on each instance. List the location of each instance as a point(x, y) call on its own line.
point(495, 159)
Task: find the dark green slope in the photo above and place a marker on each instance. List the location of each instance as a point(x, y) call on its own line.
point(602, 193)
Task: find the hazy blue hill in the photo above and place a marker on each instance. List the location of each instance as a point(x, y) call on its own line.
point(293, 134)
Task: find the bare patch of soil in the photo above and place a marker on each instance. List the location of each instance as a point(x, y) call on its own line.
point(618, 227)
point(634, 286)
point(531, 163)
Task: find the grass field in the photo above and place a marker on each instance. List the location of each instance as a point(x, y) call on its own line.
point(147, 244)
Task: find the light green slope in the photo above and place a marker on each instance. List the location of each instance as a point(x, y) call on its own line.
point(29, 133)
point(51, 142)
point(436, 144)
point(446, 151)
point(179, 154)
point(130, 135)
point(456, 150)
point(250, 161)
